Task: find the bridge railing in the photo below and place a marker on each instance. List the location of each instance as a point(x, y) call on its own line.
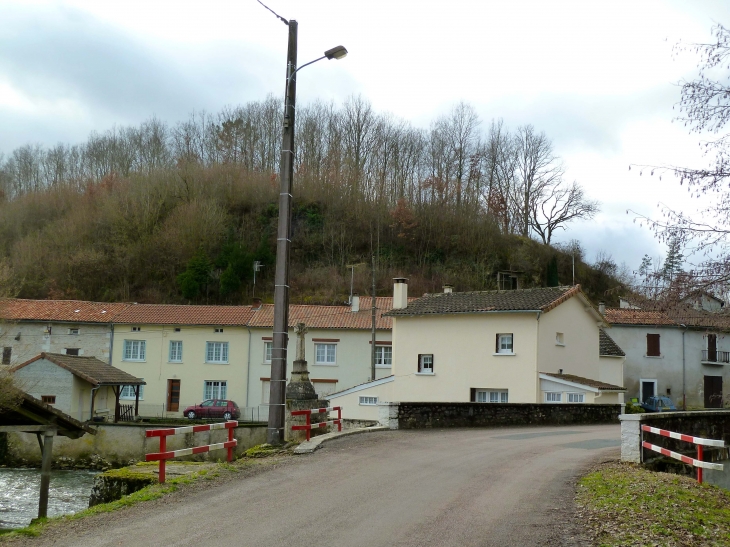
point(699, 441)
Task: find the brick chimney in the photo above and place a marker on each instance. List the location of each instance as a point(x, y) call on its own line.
point(400, 293)
point(448, 288)
point(355, 303)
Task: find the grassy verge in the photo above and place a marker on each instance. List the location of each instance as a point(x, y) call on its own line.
point(624, 504)
point(258, 456)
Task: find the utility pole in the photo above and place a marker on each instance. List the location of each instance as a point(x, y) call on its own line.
point(277, 402)
point(372, 348)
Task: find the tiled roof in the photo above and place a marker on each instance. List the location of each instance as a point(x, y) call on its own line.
point(89, 368)
point(330, 317)
point(543, 299)
point(607, 346)
point(75, 311)
point(584, 381)
point(627, 316)
point(171, 314)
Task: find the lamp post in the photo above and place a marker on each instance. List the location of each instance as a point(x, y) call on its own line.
point(277, 393)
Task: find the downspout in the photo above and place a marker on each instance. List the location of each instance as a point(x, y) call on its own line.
point(248, 369)
point(537, 353)
point(684, 372)
point(111, 342)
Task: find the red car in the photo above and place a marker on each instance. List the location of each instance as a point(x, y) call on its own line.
point(214, 408)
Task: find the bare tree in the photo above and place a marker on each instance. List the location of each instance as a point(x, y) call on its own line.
point(554, 204)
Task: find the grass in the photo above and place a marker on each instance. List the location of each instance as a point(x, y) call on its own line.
point(149, 493)
point(624, 504)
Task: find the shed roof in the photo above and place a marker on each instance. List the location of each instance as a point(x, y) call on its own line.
point(540, 299)
point(91, 369)
point(607, 347)
point(32, 412)
point(601, 386)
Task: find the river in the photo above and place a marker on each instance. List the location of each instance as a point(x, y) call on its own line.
point(19, 491)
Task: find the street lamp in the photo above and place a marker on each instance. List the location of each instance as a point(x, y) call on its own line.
point(277, 393)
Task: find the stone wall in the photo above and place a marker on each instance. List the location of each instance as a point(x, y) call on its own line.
point(430, 415)
point(710, 424)
point(116, 445)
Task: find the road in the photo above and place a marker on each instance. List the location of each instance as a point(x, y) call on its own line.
point(458, 487)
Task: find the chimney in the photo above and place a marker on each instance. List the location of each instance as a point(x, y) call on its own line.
point(602, 308)
point(448, 288)
point(400, 293)
point(355, 303)
point(256, 304)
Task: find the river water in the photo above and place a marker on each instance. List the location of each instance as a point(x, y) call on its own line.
point(20, 488)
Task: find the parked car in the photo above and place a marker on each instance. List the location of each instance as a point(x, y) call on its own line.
point(214, 408)
point(658, 404)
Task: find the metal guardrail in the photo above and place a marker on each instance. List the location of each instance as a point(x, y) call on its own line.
point(699, 441)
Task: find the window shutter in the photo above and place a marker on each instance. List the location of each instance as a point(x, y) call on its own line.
point(473, 395)
point(496, 344)
point(652, 345)
point(419, 362)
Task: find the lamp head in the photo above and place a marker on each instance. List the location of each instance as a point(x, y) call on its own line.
point(337, 52)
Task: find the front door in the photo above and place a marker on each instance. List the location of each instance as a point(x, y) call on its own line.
point(647, 390)
point(173, 395)
point(713, 391)
point(712, 347)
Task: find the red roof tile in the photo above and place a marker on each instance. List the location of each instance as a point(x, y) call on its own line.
point(171, 314)
point(76, 311)
point(627, 316)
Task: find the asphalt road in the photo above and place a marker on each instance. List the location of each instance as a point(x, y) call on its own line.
point(505, 487)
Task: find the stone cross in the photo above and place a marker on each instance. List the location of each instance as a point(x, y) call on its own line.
point(301, 329)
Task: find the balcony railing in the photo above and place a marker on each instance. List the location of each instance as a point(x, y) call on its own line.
point(714, 356)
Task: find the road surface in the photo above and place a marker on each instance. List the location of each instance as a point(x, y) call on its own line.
point(457, 487)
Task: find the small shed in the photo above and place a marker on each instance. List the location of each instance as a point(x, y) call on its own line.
point(83, 387)
point(33, 416)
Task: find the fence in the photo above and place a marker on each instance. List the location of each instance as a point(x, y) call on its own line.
point(309, 426)
point(700, 442)
point(163, 455)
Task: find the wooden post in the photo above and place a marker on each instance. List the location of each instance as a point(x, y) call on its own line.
point(117, 390)
point(136, 401)
point(47, 453)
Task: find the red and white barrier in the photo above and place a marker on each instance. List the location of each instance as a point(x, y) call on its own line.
point(309, 426)
point(699, 441)
point(163, 455)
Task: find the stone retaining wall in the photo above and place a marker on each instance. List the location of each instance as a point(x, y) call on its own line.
point(430, 415)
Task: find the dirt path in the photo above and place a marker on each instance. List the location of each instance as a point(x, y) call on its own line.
point(506, 487)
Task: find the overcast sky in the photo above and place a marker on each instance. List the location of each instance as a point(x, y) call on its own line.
point(598, 78)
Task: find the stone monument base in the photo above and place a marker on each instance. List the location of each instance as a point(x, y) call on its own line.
point(296, 404)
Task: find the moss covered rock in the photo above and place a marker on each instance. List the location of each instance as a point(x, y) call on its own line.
point(112, 485)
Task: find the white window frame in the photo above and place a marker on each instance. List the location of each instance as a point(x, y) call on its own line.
point(136, 329)
point(559, 339)
point(575, 395)
point(422, 359)
point(380, 356)
point(141, 353)
point(170, 352)
point(210, 353)
point(553, 397)
point(218, 329)
point(268, 351)
point(368, 401)
point(505, 351)
point(492, 396)
point(215, 389)
point(327, 346)
point(76, 329)
point(127, 393)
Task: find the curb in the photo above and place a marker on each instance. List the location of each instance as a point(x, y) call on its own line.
point(307, 447)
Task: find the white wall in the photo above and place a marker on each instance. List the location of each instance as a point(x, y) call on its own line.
point(45, 378)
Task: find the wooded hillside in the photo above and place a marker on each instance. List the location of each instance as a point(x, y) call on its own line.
point(176, 214)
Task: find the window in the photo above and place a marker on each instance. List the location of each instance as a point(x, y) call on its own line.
point(175, 351)
point(215, 389)
point(48, 399)
point(177, 329)
point(7, 353)
point(72, 351)
point(136, 329)
point(652, 345)
point(553, 397)
point(368, 401)
point(425, 363)
point(383, 356)
point(218, 329)
point(504, 343)
point(576, 397)
point(73, 331)
point(325, 354)
point(559, 339)
point(134, 350)
point(268, 350)
point(216, 352)
point(491, 396)
point(127, 392)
